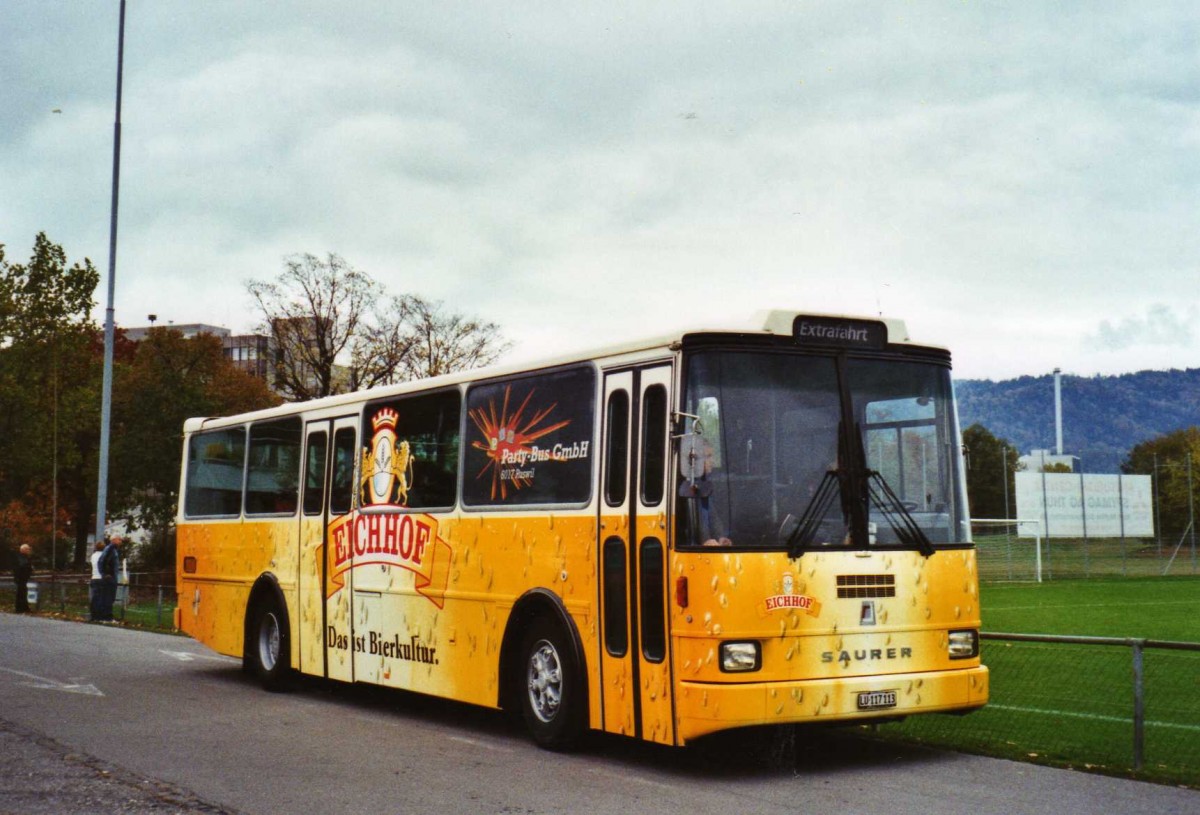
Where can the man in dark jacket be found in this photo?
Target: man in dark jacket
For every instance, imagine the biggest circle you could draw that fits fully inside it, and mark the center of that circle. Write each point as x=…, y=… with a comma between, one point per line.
x=22, y=571
x=110, y=565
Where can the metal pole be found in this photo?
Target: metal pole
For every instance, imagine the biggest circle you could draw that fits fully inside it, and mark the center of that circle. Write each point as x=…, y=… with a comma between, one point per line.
x=106, y=398
x=1121, y=517
x=1083, y=517
x=1154, y=489
x=1004, y=470
x=1045, y=512
x=54, y=468
x=1191, y=511
x=1139, y=706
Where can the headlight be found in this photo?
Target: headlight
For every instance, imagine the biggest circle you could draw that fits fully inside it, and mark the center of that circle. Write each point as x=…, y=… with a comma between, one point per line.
x=964, y=644
x=739, y=657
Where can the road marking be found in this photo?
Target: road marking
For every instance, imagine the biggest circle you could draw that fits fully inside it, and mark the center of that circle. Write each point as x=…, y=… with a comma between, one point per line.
x=42, y=683
x=1092, y=716
x=188, y=656
x=477, y=743
x=626, y=777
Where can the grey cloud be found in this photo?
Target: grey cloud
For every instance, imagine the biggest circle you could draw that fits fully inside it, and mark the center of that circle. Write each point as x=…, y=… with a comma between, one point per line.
x=1160, y=326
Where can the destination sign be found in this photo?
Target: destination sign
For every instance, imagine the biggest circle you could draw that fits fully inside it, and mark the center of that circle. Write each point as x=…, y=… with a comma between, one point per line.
x=840, y=333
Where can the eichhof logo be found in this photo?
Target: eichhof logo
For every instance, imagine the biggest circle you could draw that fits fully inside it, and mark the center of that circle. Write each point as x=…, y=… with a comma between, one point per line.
x=387, y=465
x=406, y=541
x=809, y=605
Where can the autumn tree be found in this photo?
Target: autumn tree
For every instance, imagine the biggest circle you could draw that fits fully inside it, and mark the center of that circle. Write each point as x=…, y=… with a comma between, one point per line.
x=1174, y=460
x=991, y=461
x=335, y=330
x=169, y=379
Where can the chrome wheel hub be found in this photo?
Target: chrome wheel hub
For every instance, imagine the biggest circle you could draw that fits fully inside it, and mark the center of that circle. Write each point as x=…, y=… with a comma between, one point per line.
x=545, y=681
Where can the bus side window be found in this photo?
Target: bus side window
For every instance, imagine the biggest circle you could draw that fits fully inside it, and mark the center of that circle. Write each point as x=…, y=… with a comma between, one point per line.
x=529, y=439
x=273, y=472
x=417, y=464
x=654, y=444
x=617, y=444
x=341, y=490
x=314, y=473
x=214, y=474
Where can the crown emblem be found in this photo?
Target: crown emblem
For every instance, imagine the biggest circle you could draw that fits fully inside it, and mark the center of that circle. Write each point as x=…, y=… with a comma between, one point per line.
x=385, y=418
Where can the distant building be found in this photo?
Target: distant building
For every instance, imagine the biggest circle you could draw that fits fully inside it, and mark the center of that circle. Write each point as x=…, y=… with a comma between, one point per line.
x=1038, y=460
x=139, y=333
x=253, y=353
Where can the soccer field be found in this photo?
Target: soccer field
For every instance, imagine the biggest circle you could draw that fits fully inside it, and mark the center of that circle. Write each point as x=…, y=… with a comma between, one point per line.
x=1161, y=608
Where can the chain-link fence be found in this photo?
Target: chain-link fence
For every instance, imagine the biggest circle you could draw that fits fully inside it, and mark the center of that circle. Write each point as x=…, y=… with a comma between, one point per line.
x=141, y=603
x=1004, y=555
x=1094, y=524
x=1119, y=705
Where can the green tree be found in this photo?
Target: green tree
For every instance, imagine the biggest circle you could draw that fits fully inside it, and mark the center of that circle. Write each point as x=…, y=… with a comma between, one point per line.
x=49, y=379
x=991, y=461
x=45, y=297
x=1174, y=459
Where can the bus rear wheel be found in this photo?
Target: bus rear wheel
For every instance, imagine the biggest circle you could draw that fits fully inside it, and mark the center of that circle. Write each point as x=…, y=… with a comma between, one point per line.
x=267, y=646
x=549, y=687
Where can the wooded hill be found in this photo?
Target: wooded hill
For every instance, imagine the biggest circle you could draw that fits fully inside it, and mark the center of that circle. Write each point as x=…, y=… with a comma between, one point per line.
x=1103, y=416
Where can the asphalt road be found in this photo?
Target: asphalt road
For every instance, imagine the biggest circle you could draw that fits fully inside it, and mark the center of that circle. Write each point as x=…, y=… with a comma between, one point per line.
x=103, y=719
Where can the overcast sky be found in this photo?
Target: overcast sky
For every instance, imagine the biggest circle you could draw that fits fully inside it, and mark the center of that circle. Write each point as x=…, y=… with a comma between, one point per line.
x=1019, y=181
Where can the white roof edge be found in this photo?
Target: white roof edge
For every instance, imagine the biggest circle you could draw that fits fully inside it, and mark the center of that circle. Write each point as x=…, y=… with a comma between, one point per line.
x=773, y=321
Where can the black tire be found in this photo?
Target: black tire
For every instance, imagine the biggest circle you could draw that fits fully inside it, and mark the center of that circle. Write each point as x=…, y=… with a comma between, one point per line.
x=549, y=684
x=268, y=651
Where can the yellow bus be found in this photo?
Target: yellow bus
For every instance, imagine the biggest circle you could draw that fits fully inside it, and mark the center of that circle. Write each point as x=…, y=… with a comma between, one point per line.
x=711, y=530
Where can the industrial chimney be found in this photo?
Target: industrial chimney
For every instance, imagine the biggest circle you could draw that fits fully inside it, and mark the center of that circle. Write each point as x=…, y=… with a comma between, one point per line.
x=1058, y=449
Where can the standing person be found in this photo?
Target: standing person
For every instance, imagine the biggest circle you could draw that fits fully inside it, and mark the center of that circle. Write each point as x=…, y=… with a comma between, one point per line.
x=110, y=565
x=96, y=588
x=21, y=574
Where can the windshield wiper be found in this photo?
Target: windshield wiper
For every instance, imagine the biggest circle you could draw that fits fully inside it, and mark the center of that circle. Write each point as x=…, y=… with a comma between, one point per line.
x=892, y=508
x=810, y=520
x=872, y=489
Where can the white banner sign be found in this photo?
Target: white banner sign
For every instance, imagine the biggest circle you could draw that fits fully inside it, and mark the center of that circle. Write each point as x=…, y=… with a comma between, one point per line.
x=1075, y=505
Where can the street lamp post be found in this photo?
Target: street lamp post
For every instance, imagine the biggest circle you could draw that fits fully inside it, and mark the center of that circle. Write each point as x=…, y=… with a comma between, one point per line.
x=106, y=398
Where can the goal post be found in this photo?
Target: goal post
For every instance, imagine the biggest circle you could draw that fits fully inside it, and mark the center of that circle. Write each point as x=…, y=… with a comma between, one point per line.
x=1008, y=548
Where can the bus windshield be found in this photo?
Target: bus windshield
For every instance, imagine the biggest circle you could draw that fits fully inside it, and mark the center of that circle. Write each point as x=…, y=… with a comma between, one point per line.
x=775, y=465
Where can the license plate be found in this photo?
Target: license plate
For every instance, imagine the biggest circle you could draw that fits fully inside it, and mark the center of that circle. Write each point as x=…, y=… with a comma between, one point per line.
x=876, y=699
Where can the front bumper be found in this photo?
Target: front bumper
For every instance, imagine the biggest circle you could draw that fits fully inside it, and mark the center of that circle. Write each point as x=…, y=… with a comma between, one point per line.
x=709, y=707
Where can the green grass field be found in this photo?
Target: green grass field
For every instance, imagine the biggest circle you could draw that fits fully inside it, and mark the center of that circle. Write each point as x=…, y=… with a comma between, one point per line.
x=1072, y=705
x=1165, y=608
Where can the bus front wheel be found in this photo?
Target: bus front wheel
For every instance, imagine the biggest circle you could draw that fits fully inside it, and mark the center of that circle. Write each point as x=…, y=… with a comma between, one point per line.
x=270, y=656
x=549, y=687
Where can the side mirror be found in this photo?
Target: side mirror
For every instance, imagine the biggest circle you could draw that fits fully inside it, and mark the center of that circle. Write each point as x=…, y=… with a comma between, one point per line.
x=691, y=457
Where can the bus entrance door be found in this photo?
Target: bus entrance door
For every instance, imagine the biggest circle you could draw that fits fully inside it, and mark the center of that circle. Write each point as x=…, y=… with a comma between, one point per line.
x=330, y=447
x=636, y=697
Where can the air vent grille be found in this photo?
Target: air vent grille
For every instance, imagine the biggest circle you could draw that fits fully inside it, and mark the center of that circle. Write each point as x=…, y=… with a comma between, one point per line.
x=865, y=586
